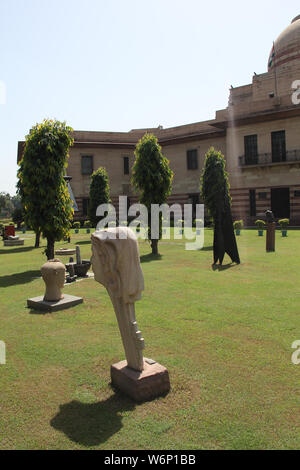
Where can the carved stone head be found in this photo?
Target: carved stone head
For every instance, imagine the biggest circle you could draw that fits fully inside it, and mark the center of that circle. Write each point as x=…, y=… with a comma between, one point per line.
x=116, y=262
x=53, y=274
x=270, y=217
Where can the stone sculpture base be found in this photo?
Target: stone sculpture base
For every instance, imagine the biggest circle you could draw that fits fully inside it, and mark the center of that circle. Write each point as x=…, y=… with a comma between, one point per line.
x=19, y=242
x=38, y=303
x=65, y=251
x=152, y=382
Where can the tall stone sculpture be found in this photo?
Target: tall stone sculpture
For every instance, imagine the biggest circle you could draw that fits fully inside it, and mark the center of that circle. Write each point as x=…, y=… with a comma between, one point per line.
x=116, y=265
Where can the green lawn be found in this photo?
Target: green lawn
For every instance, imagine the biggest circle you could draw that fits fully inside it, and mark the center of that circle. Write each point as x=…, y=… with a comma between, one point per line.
x=225, y=336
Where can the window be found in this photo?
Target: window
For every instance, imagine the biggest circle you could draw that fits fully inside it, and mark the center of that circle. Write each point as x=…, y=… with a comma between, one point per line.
x=192, y=159
x=280, y=202
x=251, y=153
x=252, y=199
x=126, y=165
x=262, y=196
x=85, y=206
x=297, y=193
x=87, y=164
x=278, y=146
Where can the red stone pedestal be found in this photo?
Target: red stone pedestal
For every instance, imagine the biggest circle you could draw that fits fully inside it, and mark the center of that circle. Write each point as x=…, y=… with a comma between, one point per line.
x=152, y=382
x=270, y=239
x=9, y=231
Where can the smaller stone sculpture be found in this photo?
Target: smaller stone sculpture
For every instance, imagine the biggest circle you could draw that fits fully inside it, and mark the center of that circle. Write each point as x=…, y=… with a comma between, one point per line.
x=53, y=274
x=269, y=217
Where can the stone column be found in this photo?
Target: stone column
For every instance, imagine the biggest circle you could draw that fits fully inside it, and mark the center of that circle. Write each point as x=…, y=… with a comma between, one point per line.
x=78, y=256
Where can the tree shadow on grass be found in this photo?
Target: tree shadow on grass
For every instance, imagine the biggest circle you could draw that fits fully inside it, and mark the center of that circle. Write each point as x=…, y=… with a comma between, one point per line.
x=150, y=257
x=222, y=267
x=16, y=250
x=19, y=278
x=90, y=424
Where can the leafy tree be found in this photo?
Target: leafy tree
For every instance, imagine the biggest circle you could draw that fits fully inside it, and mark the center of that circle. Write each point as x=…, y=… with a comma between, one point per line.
x=215, y=191
x=43, y=190
x=18, y=216
x=18, y=212
x=152, y=178
x=6, y=204
x=16, y=200
x=99, y=193
x=3, y=200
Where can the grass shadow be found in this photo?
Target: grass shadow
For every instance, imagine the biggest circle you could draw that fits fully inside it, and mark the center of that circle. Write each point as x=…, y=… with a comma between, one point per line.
x=150, y=257
x=84, y=242
x=33, y=311
x=223, y=267
x=90, y=424
x=207, y=248
x=19, y=278
x=16, y=250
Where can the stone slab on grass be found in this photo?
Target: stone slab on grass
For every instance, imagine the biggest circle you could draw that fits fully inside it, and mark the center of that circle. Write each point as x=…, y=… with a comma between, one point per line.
x=19, y=242
x=38, y=303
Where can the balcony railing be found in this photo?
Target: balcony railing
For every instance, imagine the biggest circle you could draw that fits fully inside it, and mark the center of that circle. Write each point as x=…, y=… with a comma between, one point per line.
x=270, y=159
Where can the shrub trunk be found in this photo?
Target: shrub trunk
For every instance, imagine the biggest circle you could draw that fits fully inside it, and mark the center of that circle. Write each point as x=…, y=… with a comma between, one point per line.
x=37, y=239
x=154, y=246
x=50, y=248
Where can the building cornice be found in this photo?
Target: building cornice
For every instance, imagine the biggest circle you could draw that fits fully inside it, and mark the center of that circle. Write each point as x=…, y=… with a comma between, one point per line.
x=131, y=145
x=270, y=115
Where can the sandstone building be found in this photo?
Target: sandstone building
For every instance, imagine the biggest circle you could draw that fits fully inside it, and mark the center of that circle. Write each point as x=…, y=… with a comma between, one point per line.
x=259, y=134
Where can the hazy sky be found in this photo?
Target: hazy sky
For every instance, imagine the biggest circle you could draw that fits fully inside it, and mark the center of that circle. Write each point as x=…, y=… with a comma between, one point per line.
x=122, y=64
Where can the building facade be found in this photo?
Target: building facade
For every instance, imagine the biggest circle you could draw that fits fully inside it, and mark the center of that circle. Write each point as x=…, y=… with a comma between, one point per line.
x=258, y=133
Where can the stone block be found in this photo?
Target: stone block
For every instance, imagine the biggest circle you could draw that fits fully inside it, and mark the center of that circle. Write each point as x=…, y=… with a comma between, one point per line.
x=150, y=383
x=38, y=303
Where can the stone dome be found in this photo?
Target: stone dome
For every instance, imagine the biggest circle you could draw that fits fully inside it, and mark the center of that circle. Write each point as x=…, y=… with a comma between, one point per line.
x=286, y=47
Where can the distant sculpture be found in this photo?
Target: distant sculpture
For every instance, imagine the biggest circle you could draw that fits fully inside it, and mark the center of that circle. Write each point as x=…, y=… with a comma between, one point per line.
x=78, y=256
x=116, y=265
x=271, y=226
x=224, y=238
x=269, y=217
x=53, y=274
